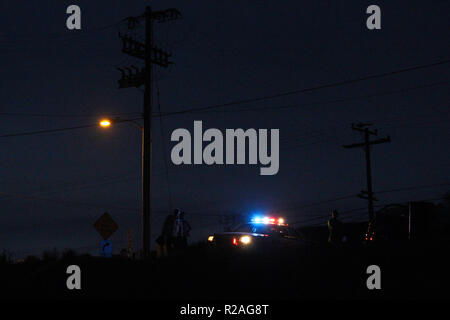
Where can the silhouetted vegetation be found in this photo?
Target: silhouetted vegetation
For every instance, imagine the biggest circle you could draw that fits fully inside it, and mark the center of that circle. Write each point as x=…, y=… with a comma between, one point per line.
x=50, y=255
x=68, y=254
x=6, y=257
x=412, y=269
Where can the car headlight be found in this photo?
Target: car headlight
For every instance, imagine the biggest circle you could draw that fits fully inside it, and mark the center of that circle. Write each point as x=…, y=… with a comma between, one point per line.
x=245, y=239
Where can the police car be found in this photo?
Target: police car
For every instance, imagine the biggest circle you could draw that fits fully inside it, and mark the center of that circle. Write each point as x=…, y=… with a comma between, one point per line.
x=260, y=233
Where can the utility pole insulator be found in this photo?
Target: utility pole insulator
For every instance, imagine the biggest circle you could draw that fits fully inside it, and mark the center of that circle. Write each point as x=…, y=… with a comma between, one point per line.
x=137, y=49
x=364, y=195
x=134, y=78
x=166, y=15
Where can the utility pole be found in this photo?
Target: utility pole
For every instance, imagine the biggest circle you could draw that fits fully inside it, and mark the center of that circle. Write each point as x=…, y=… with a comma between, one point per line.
x=136, y=77
x=367, y=194
x=409, y=220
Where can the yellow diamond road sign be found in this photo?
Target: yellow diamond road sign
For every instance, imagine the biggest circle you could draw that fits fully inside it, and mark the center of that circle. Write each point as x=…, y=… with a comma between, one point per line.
x=105, y=225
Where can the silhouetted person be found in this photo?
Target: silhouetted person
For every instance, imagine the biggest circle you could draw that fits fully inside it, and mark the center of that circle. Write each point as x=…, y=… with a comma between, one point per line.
x=334, y=228
x=165, y=241
x=181, y=231
x=186, y=230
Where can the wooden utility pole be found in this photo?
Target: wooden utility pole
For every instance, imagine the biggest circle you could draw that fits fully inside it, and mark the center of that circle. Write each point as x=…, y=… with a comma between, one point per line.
x=367, y=194
x=147, y=137
x=151, y=55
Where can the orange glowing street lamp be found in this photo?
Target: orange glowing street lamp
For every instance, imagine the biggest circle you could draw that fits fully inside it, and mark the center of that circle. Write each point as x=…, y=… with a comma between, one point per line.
x=105, y=123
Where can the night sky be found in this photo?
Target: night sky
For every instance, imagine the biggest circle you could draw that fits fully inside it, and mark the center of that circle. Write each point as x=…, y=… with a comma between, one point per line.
x=54, y=186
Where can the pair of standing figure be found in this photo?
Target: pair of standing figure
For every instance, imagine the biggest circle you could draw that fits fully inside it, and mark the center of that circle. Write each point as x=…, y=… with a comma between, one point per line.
x=174, y=234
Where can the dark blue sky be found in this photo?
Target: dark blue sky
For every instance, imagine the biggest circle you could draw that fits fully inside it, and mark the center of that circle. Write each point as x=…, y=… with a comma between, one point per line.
x=54, y=186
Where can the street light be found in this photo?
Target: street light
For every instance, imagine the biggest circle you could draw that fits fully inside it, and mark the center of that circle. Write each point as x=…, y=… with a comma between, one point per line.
x=105, y=123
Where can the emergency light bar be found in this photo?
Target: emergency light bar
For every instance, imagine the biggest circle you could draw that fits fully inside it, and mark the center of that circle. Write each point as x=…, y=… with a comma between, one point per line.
x=268, y=220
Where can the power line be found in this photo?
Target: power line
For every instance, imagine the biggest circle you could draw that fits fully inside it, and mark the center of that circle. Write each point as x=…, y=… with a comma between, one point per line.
x=296, y=105
x=321, y=202
x=62, y=36
x=358, y=210
x=75, y=186
x=109, y=207
x=76, y=204
x=304, y=90
x=60, y=129
x=66, y=203
x=56, y=115
x=46, y=131
x=194, y=110
x=416, y=187
x=330, y=133
x=155, y=115
x=355, y=195
x=18, y=44
x=278, y=107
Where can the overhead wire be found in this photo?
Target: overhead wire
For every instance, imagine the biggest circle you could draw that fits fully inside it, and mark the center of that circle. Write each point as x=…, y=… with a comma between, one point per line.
x=310, y=89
